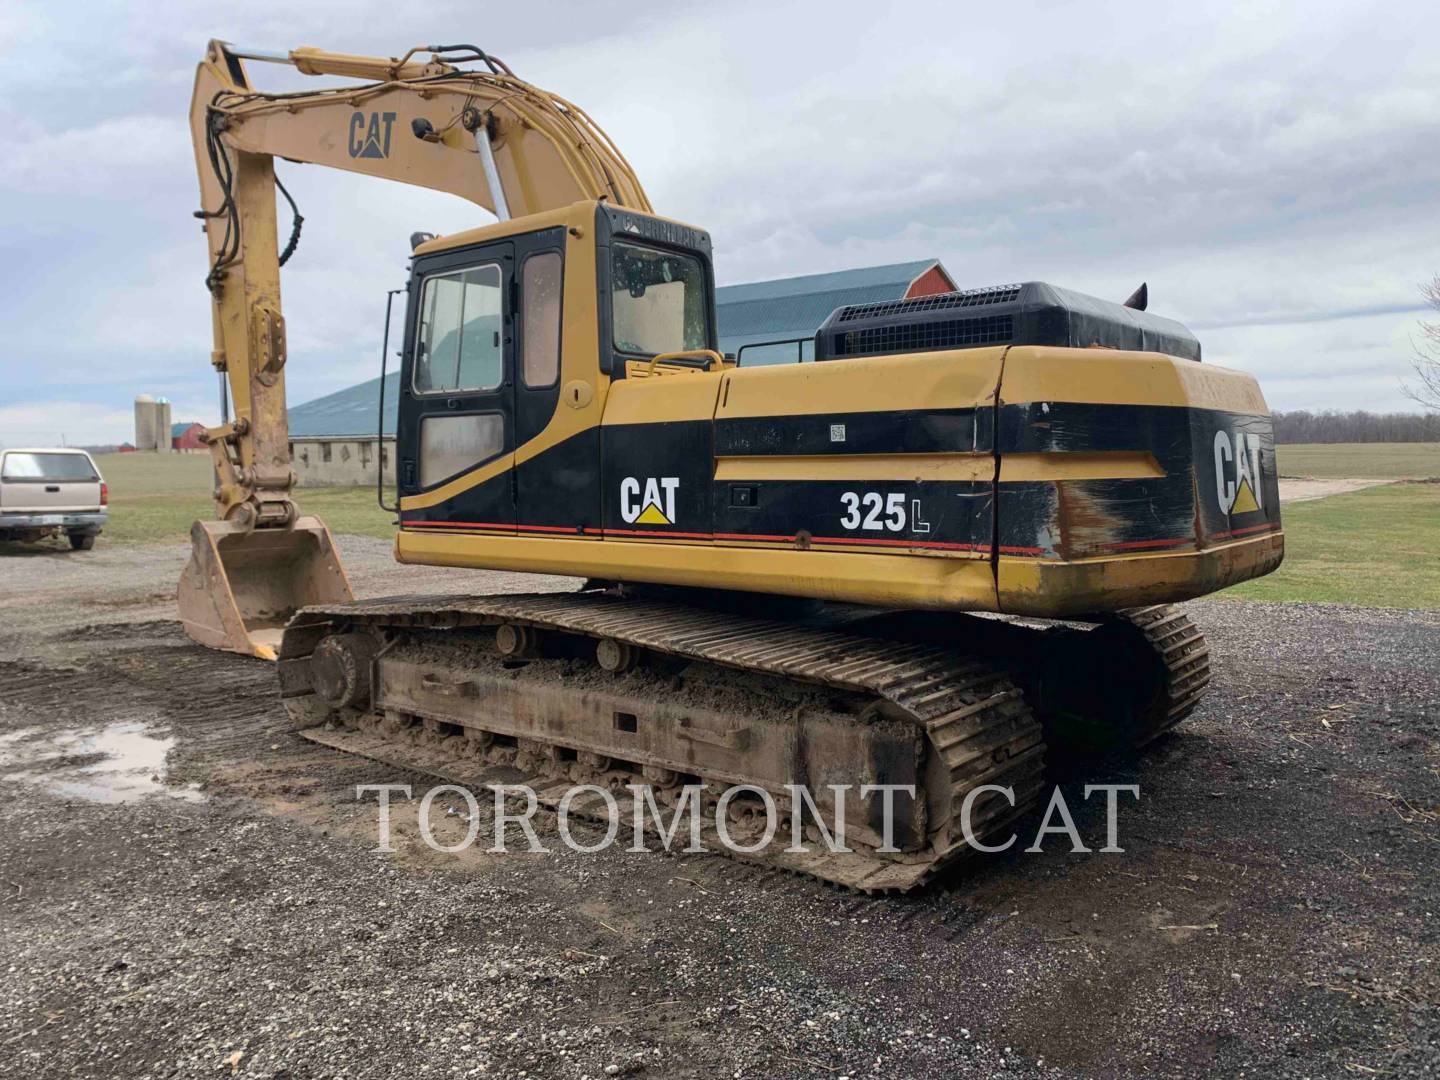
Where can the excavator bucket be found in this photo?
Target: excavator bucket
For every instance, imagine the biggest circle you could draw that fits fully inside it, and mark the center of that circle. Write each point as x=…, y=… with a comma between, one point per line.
x=241, y=586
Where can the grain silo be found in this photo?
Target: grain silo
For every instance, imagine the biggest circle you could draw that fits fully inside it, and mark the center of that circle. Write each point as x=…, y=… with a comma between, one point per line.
x=162, y=423
x=144, y=422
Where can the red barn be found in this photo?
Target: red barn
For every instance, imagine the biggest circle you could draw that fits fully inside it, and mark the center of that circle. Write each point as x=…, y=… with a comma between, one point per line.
x=775, y=321
x=187, y=436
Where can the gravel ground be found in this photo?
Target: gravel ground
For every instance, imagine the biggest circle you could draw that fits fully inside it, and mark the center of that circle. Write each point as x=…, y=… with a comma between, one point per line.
x=1274, y=912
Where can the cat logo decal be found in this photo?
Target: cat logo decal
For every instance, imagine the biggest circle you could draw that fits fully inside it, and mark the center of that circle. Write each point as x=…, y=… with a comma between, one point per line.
x=1239, y=486
x=656, y=506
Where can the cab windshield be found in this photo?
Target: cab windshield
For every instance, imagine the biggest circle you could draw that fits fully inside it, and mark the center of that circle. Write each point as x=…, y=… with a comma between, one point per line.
x=657, y=301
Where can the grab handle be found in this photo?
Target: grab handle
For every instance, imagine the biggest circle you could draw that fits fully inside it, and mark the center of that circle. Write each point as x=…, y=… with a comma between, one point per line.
x=716, y=361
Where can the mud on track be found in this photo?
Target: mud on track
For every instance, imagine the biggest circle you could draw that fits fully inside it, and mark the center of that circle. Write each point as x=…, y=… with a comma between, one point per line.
x=1275, y=911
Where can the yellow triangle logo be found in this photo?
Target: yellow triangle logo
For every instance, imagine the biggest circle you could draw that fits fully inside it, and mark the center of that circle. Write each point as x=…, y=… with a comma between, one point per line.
x=653, y=516
x=1244, y=500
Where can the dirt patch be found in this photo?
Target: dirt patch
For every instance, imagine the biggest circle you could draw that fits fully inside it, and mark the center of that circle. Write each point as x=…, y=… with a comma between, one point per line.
x=1273, y=912
x=1305, y=488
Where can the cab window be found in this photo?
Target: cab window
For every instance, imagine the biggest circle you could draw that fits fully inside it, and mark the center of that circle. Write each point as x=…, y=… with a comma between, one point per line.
x=38, y=467
x=540, y=286
x=657, y=300
x=458, y=339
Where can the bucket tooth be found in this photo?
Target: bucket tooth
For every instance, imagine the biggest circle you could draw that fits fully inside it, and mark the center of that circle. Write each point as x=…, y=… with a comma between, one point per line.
x=241, y=586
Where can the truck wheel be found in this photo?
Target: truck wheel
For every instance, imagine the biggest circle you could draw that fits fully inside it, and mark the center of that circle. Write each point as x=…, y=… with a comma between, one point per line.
x=82, y=541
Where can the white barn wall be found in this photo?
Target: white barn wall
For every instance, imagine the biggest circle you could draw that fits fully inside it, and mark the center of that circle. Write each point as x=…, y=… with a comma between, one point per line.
x=324, y=462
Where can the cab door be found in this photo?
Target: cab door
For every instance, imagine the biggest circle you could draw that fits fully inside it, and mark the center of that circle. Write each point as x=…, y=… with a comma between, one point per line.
x=456, y=433
x=557, y=468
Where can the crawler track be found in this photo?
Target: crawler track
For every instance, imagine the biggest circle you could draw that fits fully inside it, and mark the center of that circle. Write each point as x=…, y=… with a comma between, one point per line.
x=1181, y=648
x=747, y=700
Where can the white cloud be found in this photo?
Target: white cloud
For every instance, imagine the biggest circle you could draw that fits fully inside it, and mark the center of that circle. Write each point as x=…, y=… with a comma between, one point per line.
x=64, y=422
x=110, y=160
x=1264, y=167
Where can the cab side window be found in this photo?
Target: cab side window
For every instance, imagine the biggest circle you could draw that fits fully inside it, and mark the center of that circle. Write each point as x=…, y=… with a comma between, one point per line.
x=458, y=340
x=540, y=284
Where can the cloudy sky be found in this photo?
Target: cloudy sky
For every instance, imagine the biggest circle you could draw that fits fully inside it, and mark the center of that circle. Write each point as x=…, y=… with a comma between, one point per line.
x=1273, y=171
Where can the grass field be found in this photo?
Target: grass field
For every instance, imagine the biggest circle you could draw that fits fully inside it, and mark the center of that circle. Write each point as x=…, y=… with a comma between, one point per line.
x=1374, y=548
x=1413, y=461
x=155, y=497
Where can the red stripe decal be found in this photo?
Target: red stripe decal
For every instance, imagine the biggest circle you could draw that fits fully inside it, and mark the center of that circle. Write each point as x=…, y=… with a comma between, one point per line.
x=662, y=534
x=1269, y=526
x=455, y=525
x=876, y=541
x=568, y=530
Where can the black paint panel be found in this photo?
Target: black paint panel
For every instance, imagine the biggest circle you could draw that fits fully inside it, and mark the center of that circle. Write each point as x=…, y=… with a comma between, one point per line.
x=918, y=431
x=490, y=504
x=679, y=450
x=1082, y=518
x=946, y=515
x=561, y=486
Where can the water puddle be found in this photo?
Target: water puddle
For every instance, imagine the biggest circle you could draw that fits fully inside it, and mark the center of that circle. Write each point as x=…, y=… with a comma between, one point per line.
x=121, y=762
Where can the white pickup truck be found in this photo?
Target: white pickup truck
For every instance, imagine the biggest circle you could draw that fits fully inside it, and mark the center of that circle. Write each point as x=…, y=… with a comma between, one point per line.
x=47, y=492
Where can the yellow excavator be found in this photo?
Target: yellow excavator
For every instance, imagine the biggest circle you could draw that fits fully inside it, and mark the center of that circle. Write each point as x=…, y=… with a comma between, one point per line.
x=947, y=545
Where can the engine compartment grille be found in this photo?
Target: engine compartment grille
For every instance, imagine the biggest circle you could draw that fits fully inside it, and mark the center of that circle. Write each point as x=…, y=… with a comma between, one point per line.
x=925, y=336
x=1031, y=313
x=995, y=294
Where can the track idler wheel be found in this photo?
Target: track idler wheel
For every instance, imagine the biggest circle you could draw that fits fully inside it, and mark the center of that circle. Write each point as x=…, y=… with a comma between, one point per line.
x=340, y=670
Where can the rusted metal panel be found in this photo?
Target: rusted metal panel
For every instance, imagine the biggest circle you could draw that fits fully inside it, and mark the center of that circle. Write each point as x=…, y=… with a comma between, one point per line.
x=771, y=748
x=1216, y=480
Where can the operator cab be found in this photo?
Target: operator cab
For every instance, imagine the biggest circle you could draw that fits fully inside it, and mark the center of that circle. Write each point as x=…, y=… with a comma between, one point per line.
x=509, y=331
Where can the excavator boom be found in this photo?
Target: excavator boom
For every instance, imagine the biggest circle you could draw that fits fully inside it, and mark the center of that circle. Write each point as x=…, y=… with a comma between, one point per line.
x=485, y=135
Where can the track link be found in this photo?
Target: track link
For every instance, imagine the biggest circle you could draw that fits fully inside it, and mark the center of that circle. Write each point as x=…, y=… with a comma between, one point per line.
x=975, y=726
x=1180, y=647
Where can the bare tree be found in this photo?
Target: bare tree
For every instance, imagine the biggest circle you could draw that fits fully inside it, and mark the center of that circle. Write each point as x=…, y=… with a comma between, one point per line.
x=1427, y=354
x=1304, y=426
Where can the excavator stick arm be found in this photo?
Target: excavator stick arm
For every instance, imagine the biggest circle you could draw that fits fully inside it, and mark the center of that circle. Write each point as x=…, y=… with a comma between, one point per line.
x=483, y=135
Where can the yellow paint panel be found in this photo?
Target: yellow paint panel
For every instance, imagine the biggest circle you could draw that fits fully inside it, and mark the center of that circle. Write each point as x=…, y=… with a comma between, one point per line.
x=1027, y=586
x=1107, y=465
x=579, y=215
x=897, y=467
x=907, y=580
x=1051, y=589
x=651, y=401
x=1115, y=377
x=941, y=380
